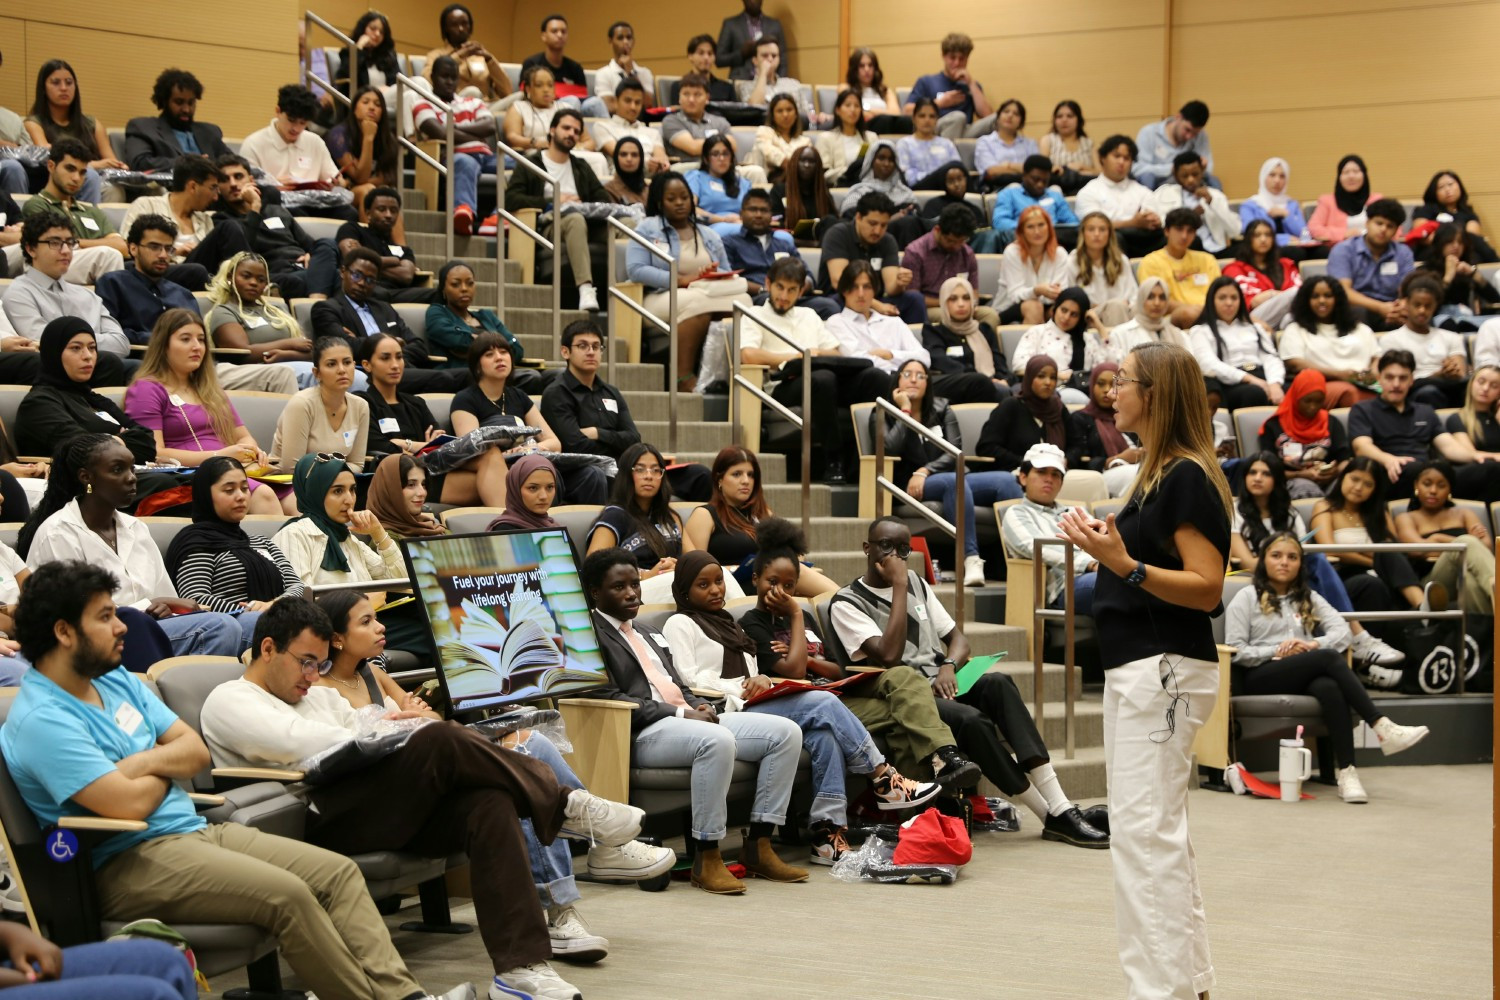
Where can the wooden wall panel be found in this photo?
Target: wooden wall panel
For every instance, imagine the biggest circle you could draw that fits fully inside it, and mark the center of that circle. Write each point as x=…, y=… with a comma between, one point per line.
x=1314, y=140
x=116, y=88
x=15, y=84
x=267, y=27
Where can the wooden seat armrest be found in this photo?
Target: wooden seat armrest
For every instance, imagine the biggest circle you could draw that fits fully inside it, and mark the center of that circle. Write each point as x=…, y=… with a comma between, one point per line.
x=979, y=459
x=34, y=459
x=206, y=799
x=259, y=773
x=101, y=823
x=597, y=703
x=422, y=279
x=709, y=693
x=864, y=668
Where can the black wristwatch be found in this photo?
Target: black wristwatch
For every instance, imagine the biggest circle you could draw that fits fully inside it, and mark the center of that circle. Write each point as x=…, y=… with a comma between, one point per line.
x=1138, y=575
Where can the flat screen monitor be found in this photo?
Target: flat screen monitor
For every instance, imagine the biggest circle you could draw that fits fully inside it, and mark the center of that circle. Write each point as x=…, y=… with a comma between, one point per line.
x=508, y=616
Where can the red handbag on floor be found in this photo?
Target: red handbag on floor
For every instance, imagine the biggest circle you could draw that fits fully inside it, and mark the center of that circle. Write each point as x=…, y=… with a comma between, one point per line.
x=933, y=839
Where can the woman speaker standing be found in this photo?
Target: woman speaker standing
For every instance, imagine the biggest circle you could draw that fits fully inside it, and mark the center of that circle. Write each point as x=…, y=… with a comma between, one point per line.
x=1161, y=577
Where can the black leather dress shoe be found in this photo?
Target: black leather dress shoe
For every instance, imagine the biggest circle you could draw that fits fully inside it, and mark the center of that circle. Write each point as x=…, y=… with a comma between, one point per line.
x=1072, y=828
x=1097, y=817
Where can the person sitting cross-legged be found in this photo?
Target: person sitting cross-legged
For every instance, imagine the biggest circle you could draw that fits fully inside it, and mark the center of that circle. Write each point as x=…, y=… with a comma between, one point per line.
x=458, y=790
x=87, y=738
x=673, y=727
x=872, y=624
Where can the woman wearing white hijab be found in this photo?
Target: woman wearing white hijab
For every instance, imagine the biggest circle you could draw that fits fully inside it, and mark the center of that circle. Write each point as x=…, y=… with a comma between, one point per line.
x=1271, y=204
x=1151, y=321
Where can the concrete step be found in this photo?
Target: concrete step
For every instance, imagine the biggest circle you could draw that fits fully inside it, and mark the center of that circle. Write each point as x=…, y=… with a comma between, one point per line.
x=1088, y=717
x=539, y=343
x=981, y=604
x=696, y=437
x=539, y=322
x=1018, y=665
x=653, y=404
x=773, y=469
x=1081, y=778
x=786, y=500
x=987, y=640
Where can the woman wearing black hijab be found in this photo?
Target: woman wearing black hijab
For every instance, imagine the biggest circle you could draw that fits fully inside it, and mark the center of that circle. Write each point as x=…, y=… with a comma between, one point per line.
x=63, y=404
x=214, y=561
x=628, y=186
x=1341, y=214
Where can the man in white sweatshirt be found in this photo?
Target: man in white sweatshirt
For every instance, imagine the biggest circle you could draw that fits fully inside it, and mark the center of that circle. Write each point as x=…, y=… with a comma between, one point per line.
x=1220, y=224
x=447, y=789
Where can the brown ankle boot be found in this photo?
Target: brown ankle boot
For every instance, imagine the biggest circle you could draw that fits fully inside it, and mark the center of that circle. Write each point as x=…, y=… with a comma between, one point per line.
x=761, y=861
x=710, y=875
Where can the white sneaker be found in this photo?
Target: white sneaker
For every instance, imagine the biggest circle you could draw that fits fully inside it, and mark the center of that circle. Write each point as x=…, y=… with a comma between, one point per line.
x=1394, y=738
x=532, y=982
x=973, y=571
x=1370, y=650
x=463, y=991
x=588, y=299
x=600, y=821
x=631, y=860
x=571, y=940
x=1434, y=598
x=1350, y=790
x=10, y=893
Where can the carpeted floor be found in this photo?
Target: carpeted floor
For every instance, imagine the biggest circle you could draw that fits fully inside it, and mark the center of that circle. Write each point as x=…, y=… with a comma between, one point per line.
x=1386, y=901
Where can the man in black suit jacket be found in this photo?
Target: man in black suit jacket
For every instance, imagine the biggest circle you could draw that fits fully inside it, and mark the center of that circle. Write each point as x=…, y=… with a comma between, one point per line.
x=738, y=35
x=153, y=143
x=353, y=313
x=672, y=727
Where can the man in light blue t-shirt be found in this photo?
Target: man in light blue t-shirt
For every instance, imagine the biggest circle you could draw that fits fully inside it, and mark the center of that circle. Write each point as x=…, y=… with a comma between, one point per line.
x=87, y=738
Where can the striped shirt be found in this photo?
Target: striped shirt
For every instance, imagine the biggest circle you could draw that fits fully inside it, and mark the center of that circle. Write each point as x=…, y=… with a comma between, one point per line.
x=217, y=581
x=466, y=111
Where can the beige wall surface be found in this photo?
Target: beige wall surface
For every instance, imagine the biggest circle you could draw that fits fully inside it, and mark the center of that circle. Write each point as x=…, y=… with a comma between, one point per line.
x=1308, y=82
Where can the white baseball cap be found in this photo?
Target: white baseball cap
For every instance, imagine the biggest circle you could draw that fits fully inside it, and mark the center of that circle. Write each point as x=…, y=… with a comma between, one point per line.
x=1046, y=456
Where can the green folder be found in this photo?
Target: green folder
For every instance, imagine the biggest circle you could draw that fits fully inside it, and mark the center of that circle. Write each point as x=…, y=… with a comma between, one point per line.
x=969, y=674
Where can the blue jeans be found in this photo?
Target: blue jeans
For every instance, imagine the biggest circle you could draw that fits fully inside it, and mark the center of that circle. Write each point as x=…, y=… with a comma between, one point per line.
x=307, y=376
x=594, y=108
x=12, y=669
x=1326, y=582
x=466, y=170
x=984, y=488
x=247, y=620
x=12, y=181
x=711, y=749
x=835, y=740
x=205, y=633
x=93, y=187
x=121, y=970
x=551, y=864
x=1083, y=594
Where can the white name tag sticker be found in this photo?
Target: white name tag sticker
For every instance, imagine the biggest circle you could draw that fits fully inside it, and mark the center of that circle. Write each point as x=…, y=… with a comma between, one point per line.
x=660, y=640
x=102, y=415
x=175, y=399
x=1200, y=279
x=128, y=718
x=274, y=223
x=255, y=322
x=348, y=439
x=956, y=351
x=810, y=636
x=89, y=223
x=875, y=262
x=1045, y=201
x=611, y=406
x=778, y=254
x=709, y=133
x=390, y=323
x=389, y=425
x=716, y=186
x=921, y=610
x=396, y=251
x=1389, y=269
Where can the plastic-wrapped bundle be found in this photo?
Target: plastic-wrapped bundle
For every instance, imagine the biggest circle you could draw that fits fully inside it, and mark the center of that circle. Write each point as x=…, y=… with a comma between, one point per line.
x=375, y=736
x=544, y=721
x=334, y=197
x=873, y=863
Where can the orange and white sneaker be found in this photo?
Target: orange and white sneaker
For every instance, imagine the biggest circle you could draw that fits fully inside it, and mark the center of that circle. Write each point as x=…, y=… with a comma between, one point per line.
x=896, y=791
x=828, y=844
x=490, y=226
x=463, y=221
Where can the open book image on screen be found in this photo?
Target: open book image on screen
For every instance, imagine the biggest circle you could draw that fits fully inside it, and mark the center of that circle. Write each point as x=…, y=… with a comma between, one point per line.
x=508, y=616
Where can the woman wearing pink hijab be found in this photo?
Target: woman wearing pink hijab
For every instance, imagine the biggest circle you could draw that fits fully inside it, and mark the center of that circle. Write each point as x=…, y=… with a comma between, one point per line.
x=530, y=487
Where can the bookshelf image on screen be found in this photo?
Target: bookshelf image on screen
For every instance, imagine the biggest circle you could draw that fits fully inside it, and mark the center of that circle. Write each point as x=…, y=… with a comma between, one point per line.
x=508, y=616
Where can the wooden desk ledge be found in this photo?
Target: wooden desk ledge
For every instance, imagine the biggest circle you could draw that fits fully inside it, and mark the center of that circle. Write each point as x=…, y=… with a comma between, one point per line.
x=597, y=703
x=258, y=773
x=101, y=823
x=206, y=799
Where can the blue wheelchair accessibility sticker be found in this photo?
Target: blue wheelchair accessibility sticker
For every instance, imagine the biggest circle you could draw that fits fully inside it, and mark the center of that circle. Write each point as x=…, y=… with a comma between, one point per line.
x=62, y=846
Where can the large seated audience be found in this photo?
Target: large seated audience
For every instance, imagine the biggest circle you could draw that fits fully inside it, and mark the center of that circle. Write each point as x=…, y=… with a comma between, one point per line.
x=959, y=262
